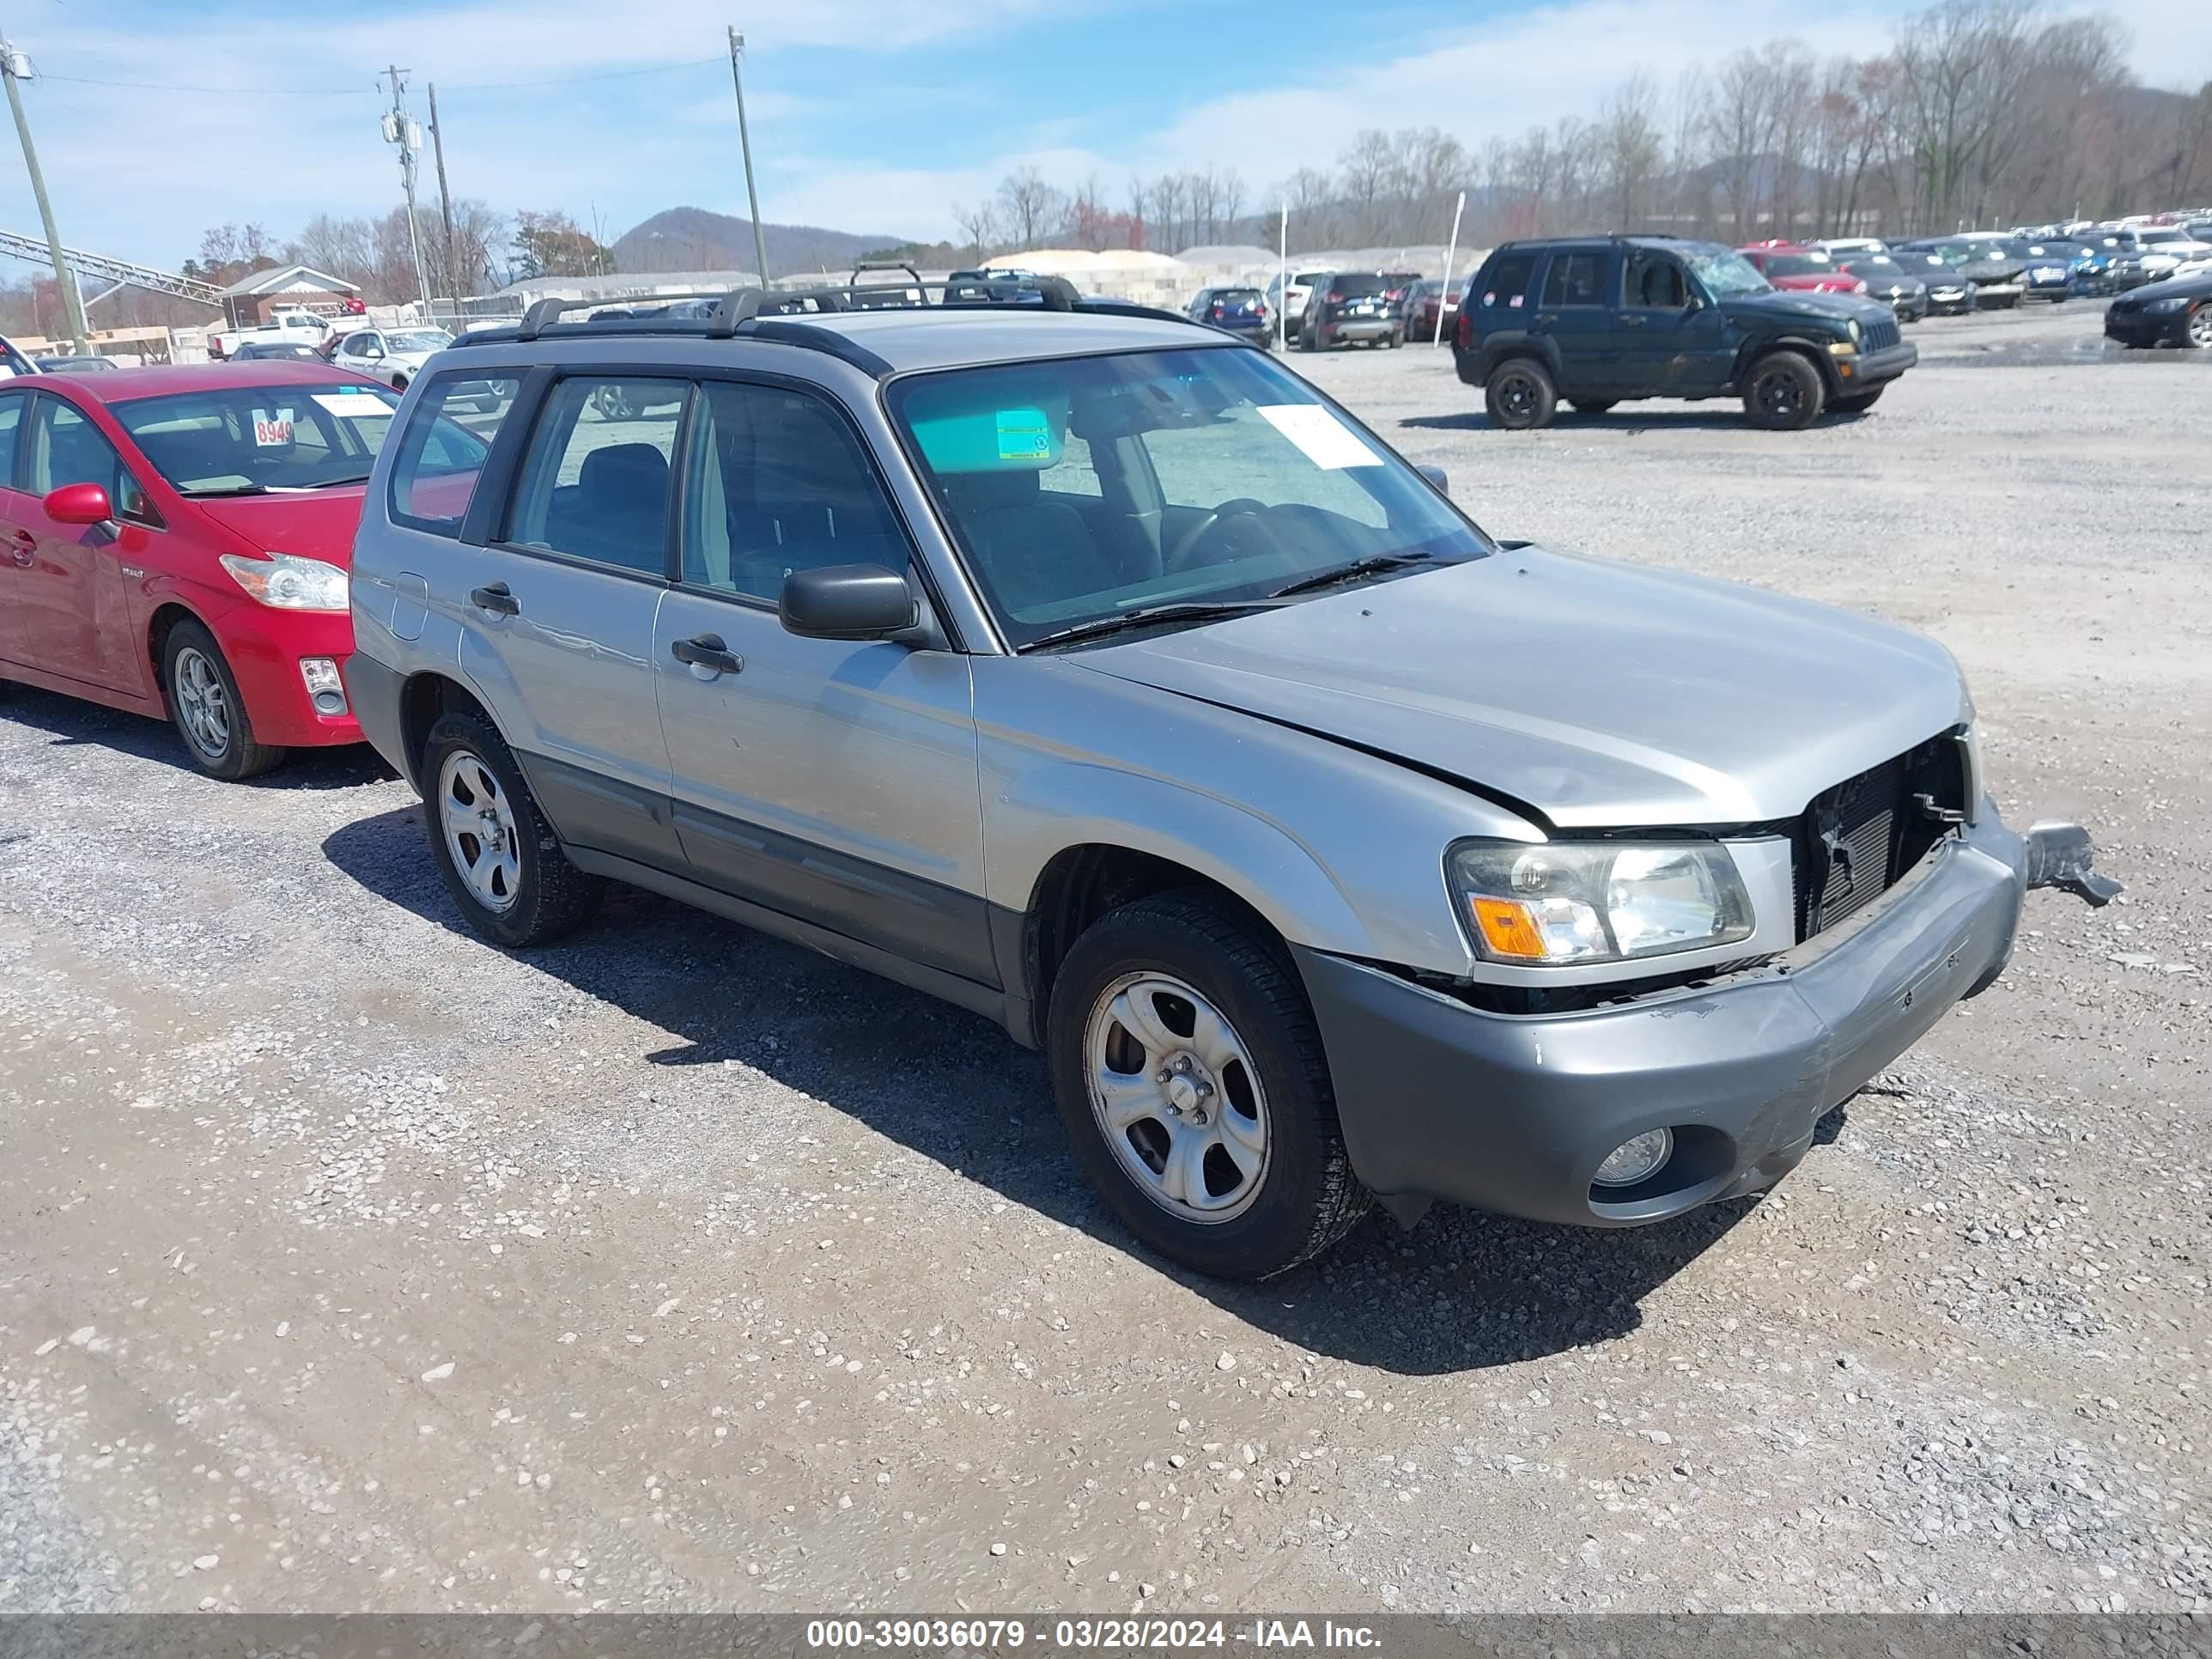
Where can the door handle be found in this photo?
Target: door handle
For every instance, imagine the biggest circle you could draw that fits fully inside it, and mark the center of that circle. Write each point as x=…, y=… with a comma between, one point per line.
x=1548, y=316
x=496, y=599
x=25, y=552
x=708, y=650
x=1630, y=318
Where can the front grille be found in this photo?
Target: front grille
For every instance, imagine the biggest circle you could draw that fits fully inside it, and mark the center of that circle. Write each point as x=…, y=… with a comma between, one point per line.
x=1882, y=334
x=1855, y=840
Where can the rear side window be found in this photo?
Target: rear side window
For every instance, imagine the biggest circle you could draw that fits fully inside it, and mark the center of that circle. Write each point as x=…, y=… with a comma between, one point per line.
x=1505, y=284
x=595, y=484
x=1573, y=279
x=443, y=448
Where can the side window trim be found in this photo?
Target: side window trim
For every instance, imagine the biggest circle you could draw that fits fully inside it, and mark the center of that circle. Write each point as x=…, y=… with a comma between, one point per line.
x=19, y=455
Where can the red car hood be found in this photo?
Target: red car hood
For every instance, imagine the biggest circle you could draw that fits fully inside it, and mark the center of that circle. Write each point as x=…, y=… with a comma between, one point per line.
x=1816, y=285
x=315, y=524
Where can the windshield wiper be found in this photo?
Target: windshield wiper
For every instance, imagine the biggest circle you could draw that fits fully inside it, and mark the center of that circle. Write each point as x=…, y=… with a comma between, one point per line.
x=1145, y=616
x=1344, y=573
x=224, y=489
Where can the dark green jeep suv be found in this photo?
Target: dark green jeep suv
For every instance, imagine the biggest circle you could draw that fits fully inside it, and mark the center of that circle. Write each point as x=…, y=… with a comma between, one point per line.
x=1596, y=320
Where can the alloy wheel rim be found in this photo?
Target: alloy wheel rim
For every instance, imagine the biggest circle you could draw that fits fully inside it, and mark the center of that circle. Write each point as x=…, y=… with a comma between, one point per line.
x=478, y=821
x=203, y=706
x=2200, y=325
x=1177, y=1097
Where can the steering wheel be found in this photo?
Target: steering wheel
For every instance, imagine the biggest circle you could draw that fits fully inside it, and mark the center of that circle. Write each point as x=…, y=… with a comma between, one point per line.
x=1179, y=557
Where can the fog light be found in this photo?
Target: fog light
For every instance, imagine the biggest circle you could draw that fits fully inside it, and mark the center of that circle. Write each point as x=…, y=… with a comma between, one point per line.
x=1637, y=1159
x=324, y=689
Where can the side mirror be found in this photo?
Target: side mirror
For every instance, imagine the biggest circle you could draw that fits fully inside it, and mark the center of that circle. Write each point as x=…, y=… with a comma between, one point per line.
x=79, y=503
x=846, y=602
x=1434, y=475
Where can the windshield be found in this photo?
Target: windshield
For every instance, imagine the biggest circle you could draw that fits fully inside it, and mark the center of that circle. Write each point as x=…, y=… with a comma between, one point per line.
x=418, y=339
x=1874, y=264
x=236, y=441
x=1725, y=272
x=1797, y=264
x=1082, y=488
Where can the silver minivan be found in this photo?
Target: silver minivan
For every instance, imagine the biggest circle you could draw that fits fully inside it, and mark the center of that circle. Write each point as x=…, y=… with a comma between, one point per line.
x=1091, y=669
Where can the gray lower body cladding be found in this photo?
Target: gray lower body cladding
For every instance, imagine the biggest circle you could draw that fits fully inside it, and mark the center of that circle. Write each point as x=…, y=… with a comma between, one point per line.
x=1439, y=1100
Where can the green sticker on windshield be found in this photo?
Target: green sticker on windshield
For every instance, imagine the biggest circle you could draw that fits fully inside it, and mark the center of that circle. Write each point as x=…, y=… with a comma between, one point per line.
x=1025, y=435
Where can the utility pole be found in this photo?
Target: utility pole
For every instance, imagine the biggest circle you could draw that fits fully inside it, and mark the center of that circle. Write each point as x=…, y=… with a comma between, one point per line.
x=445, y=201
x=16, y=66
x=400, y=130
x=745, y=143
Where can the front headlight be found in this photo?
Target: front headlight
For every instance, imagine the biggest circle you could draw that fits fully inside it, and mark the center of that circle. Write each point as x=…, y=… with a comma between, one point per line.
x=1611, y=901
x=285, y=581
x=2173, y=303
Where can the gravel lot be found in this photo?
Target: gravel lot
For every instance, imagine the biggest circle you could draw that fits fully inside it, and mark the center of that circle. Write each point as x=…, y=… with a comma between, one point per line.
x=351, y=1264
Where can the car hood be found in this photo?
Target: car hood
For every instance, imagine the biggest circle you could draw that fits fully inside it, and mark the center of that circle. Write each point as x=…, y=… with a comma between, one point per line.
x=316, y=524
x=1592, y=693
x=1788, y=304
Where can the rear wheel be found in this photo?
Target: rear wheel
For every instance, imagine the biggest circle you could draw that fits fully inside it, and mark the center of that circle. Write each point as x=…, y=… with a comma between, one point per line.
x=2197, y=331
x=500, y=859
x=1784, y=392
x=1190, y=1077
x=1519, y=395
x=210, y=715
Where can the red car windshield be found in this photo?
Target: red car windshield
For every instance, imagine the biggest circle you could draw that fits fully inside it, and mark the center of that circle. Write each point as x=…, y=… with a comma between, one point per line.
x=1796, y=265
x=251, y=440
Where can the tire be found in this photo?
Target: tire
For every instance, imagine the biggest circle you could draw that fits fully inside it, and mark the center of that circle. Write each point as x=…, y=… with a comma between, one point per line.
x=204, y=705
x=1783, y=392
x=613, y=404
x=1592, y=405
x=544, y=895
x=399, y=383
x=1272, y=1078
x=2196, y=332
x=1859, y=402
x=1519, y=395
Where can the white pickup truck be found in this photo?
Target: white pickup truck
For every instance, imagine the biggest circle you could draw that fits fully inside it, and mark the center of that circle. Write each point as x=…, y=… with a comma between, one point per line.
x=294, y=324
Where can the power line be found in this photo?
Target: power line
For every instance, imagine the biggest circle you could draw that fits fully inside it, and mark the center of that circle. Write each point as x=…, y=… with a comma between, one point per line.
x=326, y=92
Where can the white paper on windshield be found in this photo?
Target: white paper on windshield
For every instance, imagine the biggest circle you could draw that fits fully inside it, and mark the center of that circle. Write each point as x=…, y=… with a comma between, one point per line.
x=1321, y=437
x=272, y=431
x=351, y=404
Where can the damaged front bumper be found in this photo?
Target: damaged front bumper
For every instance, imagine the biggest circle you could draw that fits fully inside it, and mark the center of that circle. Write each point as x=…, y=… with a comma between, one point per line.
x=1515, y=1113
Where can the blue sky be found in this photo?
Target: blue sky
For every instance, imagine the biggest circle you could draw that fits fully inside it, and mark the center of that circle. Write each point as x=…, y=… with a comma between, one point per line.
x=866, y=115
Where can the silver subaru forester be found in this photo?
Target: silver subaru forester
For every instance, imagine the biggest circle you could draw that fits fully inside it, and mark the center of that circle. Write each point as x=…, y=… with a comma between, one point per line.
x=1086, y=667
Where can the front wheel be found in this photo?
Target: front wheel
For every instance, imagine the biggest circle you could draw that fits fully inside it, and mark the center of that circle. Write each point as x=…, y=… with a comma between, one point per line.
x=210, y=715
x=500, y=859
x=1520, y=395
x=2197, y=332
x=1784, y=392
x=1190, y=1077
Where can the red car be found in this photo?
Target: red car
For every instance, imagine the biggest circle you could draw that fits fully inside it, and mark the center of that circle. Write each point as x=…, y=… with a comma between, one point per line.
x=1804, y=270
x=1422, y=302
x=178, y=544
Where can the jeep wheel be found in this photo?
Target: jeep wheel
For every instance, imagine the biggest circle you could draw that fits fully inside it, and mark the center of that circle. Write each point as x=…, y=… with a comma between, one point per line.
x=1190, y=1077
x=1592, y=405
x=209, y=714
x=1784, y=392
x=1520, y=395
x=1858, y=403
x=500, y=859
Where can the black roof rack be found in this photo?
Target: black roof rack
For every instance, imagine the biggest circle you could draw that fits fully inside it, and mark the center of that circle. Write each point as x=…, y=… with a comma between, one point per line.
x=781, y=314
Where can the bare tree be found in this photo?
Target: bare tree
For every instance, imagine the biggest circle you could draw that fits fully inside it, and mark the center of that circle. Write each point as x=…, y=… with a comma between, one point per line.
x=1033, y=208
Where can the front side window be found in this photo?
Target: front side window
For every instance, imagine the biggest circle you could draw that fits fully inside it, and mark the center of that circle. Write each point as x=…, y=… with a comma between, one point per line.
x=443, y=449
x=67, y=448
x=11, y=429
x=776, y=482
x=1223, y=477
x=1652, y=281
x=250, y=440
x=595, y=483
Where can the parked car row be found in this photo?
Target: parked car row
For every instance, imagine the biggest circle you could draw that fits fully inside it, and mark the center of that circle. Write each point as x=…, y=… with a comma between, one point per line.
x=1101, y=675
